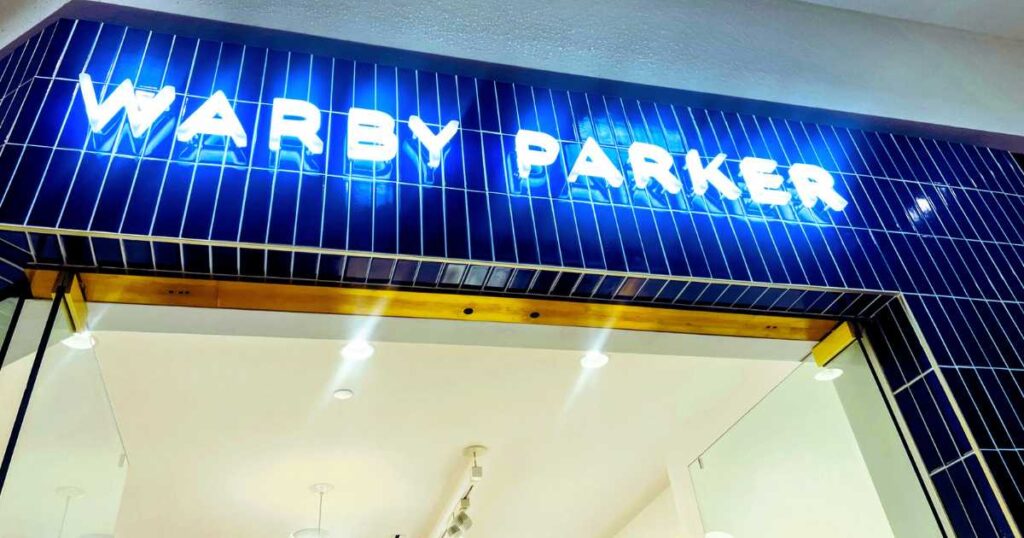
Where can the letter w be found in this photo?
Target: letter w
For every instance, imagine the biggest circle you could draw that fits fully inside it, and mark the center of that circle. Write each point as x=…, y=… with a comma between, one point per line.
x=141, y=108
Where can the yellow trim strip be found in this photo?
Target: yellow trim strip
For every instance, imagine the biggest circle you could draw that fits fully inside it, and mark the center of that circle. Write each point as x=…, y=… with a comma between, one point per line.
x=833, y=344
x=153, y=290
x=44, y=286
x=77, y=310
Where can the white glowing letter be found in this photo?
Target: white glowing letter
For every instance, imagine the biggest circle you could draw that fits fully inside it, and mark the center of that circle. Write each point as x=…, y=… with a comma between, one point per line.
x=295, y=119
x=593, y=162
x=214, y=117
x=763, y=184
x=814, y=183
x=434, y=143
x=371, y=135
x=141, y=108
x=653, y=162
x=701, y=176
x=534, y=148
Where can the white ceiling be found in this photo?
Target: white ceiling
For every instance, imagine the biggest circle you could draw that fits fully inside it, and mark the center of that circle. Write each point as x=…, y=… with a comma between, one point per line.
x=1004, y=18
x=225, y=433
x=570, y=455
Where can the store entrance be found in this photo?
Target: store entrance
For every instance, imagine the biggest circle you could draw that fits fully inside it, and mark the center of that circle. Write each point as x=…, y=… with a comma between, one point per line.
x=174, y=421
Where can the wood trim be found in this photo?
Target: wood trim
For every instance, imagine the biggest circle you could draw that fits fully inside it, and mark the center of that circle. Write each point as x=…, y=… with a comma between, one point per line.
x=834, y=344
x=156, y=290
x=77, y=308
x=43, y=285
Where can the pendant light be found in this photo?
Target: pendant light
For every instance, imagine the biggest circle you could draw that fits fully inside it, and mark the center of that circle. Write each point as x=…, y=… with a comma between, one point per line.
x=68, y=493
x=318, y=532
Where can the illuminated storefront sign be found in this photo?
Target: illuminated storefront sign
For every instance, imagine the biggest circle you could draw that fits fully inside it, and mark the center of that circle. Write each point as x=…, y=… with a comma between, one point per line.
x=230, y=156
x=372, y=137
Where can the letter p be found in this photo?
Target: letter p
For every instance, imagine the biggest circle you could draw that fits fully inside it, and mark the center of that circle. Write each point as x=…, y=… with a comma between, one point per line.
x=534, y=148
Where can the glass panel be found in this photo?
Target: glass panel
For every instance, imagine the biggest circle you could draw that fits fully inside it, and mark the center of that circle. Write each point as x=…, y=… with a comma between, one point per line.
x=816, y=457
x=231, y=419
x=7, y=307
x=12, y=378
x=17, y=362
x=69, y=466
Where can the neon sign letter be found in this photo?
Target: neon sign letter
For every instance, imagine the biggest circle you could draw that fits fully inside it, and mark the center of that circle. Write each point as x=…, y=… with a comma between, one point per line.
x=292, y=118
x=701, y=176
x=214, y=117
x=141, y=108
x=434, y=143
x=371, y=135
x=763, y=184
x=534, y=148
x=593, y=162
x=653, y=162
x=814, y=183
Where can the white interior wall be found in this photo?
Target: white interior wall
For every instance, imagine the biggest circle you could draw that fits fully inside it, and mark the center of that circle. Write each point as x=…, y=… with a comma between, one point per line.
x=776, y=50
x=658, y=520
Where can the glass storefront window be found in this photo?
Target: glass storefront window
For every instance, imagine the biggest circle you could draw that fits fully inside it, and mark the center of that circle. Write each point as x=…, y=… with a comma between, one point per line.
x=819, y=456
x=259, y=424
x=69, y=466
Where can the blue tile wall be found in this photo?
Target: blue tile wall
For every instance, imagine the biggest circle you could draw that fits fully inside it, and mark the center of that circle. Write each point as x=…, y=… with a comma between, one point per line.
x=939, y=222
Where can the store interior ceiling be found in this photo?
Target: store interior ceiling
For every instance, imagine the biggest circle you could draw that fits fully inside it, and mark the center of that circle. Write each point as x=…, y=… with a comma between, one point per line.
x=227, y=418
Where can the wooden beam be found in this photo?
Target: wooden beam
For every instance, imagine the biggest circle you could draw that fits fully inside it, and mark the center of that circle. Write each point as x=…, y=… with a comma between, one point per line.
x=76, y=305
x=42, y=284
x=155, y=290
x=832, y=345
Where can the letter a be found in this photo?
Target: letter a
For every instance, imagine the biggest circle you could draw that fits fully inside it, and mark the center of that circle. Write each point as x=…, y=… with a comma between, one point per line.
x=593, y=162
x=214, y=117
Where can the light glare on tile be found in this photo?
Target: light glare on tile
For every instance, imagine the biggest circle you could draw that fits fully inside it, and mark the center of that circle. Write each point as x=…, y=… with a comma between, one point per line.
x=924, y=205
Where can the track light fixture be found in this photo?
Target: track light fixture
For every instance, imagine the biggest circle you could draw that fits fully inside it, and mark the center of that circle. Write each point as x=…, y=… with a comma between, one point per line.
x=476, y=472
x=455, y=521
x=461, y=522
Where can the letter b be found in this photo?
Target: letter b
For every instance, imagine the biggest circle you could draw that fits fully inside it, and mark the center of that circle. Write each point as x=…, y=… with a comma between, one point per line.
x=371, y=135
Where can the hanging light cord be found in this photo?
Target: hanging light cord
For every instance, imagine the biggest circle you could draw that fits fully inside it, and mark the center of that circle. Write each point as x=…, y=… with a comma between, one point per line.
x=320, y=517
x=64, y=518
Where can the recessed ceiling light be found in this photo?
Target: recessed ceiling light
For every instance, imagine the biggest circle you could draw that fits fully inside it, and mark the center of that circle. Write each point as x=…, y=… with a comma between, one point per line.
x=593, y=359
x=357, y=350
x=343, y=394
x=80, y=340
x=828, y=374
x=717, y=534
